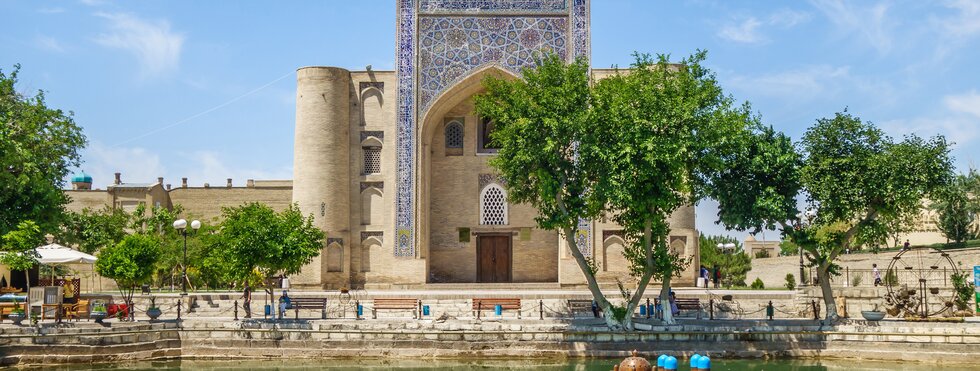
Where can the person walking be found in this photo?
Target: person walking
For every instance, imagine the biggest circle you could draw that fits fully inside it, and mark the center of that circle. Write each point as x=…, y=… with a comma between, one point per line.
x=247, y=300
x=717, y=277
x=876, y=273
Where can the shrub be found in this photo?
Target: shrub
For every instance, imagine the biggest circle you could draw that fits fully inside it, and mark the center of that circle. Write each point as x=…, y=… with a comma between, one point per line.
x=891, y=279
x=757, y=284
x=856, y=280
x=762, y=254
x=790, y=281
x=963, y=288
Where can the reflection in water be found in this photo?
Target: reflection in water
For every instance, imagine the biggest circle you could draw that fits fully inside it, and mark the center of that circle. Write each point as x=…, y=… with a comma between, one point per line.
x=544, y=365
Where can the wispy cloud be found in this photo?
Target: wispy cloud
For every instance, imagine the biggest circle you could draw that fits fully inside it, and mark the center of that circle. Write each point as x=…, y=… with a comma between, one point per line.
x=959, y=121
x=93, y=2
x=809, y=81
x=749, y=30
x=48, y=43
x=966, y=20
x=870, y=23
x=137, y=164
x=746, y=31
x=156, y=47
x=54, y=10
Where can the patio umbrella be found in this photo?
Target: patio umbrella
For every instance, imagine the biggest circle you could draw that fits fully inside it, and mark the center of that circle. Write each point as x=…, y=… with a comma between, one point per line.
x=55, y=254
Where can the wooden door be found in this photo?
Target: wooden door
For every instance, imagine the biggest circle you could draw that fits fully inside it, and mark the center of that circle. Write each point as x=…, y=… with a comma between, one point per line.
x=493, y=259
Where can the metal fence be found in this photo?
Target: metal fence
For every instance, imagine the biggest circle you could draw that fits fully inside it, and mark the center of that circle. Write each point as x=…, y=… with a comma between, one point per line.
x=938, y=277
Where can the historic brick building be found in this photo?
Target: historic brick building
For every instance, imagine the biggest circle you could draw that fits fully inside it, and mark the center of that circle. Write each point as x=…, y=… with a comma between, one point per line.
x=393, y=164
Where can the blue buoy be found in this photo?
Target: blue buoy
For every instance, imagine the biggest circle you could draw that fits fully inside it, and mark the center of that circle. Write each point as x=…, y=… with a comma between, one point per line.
x=694, y=361
x=670, y=363
x=498, y=309
x=425, y=310
x=704, y=363
x=660, y=361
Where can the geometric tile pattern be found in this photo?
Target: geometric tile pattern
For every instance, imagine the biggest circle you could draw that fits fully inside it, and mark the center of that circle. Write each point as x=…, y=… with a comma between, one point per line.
x=449, y=47
x=440, y=42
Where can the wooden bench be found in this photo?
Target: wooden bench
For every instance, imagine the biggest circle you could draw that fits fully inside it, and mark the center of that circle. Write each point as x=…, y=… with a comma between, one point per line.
x=7, y=308
x=309, y=303
x=492, y=303
x=412, y=304
x=583, y=305
x=683, y=304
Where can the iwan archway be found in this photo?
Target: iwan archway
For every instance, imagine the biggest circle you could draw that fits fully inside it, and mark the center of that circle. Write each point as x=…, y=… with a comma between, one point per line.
x=470, y=232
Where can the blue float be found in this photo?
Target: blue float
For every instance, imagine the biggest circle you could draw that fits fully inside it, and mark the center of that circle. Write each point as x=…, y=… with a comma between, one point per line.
x=670, y=363
x=704, y=363
x=660, y=361
x=694, y=361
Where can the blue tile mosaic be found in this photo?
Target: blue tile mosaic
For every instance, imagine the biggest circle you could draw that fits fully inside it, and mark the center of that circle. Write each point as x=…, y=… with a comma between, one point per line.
x=440, y=42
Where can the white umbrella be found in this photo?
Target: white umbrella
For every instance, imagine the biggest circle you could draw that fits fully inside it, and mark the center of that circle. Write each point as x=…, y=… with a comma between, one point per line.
x=57, y=254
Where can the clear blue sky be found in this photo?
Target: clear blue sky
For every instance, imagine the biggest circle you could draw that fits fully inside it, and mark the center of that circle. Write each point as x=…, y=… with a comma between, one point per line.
x=205, y=89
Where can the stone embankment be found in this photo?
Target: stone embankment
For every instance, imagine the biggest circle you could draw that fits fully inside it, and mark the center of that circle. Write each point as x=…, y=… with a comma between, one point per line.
x=83, y=342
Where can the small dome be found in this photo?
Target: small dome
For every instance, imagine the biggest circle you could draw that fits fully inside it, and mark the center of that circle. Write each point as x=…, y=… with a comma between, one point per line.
x=81, y=178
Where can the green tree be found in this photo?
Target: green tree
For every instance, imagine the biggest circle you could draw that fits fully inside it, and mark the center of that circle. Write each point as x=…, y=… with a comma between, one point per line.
x=634, y=147
x=92, y=230
x=957, y=211
x=18, y=249
x=130, y=263
x=787, y=248
x=254, y=237
x=853, y=177
x=38, y=146
x=734, y=265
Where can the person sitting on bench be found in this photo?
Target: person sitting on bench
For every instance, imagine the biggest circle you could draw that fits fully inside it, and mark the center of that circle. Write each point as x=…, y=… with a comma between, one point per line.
x=284, y=303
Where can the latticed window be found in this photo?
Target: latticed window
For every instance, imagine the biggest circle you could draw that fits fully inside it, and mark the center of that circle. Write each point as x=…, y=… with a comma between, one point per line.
x=493, y=206
x=454, y=135
x=372, y=160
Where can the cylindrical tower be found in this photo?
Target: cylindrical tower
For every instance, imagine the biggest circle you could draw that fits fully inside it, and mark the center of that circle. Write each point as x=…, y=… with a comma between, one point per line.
x=321, y=162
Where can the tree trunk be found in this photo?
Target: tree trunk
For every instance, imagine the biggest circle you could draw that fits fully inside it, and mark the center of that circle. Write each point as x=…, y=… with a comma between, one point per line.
x=828, y=292
x=586, y=269
x=665, y=300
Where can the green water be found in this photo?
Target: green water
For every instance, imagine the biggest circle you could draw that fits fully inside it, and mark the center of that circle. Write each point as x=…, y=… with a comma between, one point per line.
x=407, y=365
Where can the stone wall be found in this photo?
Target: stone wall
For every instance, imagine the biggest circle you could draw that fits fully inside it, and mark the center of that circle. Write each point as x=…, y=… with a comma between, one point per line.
x=493, y=339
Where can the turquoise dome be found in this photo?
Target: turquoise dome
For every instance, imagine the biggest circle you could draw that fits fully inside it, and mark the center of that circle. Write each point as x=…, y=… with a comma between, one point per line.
x=81, y=178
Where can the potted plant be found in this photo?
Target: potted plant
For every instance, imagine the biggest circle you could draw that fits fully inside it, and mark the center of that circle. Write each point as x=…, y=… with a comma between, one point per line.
x=98, y=313
x=17, y=315
x=153, y=311
x=874, y=314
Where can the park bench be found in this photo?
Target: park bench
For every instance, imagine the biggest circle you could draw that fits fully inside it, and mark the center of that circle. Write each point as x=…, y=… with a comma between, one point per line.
x=682, y=305
x=7, y=308
x=583, y=306
x=491, y=303
x=412, y=304
x=297, y=303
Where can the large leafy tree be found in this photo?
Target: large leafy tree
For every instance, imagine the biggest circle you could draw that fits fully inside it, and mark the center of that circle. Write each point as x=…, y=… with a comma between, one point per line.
x=38, y=146
x=255, y=237
x=92, y=230
x=17, y=250
x=957, y=208
x=852, y=176
x=130, y=262
x=635, y=146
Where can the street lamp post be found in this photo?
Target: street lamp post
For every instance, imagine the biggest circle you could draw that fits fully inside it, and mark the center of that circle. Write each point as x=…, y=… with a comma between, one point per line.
x=181, y=225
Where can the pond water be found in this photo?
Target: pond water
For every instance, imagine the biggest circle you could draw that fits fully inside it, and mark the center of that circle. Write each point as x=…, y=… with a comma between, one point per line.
x=556, y=365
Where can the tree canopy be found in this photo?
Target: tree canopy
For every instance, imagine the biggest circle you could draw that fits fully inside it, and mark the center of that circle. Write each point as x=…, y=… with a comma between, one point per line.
x=255, y=237
x=130, y=263
x=634, y=146
x=38, y=147
x=853, y=177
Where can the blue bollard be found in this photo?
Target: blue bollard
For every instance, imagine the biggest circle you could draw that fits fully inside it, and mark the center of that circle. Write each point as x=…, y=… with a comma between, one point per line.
x=704, y=364
x=643, y=310
x=660, y=361
x=360, y=310
x=425, y=310
x=498, y=310
x=694, y=361
x=670, y=364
